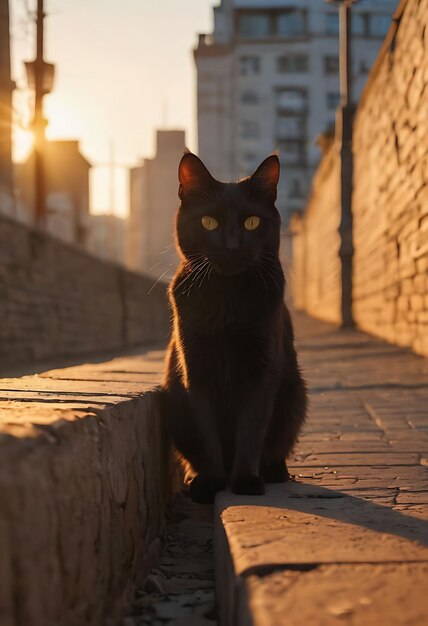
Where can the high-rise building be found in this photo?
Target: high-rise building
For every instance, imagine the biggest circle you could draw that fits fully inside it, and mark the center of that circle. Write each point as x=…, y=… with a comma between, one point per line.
x=268, y=79
x=153, y=204
x=6, y=87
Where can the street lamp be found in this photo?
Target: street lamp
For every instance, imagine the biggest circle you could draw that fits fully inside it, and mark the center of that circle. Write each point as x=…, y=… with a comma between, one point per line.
x=40, y=77
x=344, y=126
x=48, y=76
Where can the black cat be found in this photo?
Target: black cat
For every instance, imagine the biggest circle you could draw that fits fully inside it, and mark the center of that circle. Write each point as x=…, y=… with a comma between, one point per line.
x=233, y=393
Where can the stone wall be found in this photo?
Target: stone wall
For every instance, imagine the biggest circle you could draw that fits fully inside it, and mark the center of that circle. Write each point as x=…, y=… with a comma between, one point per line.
x=390, y=199
x=58, y=302
x=315, y=282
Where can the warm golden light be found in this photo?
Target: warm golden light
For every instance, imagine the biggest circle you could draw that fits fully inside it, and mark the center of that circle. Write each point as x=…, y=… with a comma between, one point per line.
x=23, y=141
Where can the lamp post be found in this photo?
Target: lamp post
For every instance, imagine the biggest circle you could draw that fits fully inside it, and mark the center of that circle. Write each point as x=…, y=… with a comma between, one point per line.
x=40, y=76
x=344, y=126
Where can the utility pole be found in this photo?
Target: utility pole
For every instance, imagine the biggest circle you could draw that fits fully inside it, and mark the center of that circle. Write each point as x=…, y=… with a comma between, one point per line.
x=344, y=128
x=347, y=111
x=39, y=122
x=6, y=87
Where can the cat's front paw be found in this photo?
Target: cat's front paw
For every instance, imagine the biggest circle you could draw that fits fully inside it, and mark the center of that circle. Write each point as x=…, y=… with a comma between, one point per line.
x=275, y=471
x=248, y=484
x=203, y=488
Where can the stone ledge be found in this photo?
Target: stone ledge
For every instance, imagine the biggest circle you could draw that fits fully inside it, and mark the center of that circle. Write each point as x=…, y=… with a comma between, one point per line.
x=85, y=476
x=348, y=541
x=301, y=538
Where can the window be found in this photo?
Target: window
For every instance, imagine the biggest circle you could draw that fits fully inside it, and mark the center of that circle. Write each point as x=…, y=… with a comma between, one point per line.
x=249, y=157
x=291, y=23
x=292, y=63
x=290, y=127
x=249, y=97
x=331, y=65
x=332, y=24
x=379, y=25
x=250, y=129
x=364, y=66
x=291, y=99
x=249, y=66
x=333, y=100
x=296, y=189
x=359, y=22
x=253, y=25
x=292, y=152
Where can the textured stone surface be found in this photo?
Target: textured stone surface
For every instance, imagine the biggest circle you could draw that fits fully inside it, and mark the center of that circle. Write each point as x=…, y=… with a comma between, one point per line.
x=332, y=595
x=389, y=204
x=84, y=479
x=180, y=590
x=57, y=301
x=315, y=275
x=347, y=542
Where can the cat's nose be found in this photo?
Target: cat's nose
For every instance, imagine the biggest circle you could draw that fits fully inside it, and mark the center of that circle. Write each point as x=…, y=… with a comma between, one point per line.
x=232, y=244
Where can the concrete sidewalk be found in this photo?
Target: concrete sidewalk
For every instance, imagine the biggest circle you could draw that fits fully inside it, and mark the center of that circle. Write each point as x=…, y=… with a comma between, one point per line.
x=347, y=543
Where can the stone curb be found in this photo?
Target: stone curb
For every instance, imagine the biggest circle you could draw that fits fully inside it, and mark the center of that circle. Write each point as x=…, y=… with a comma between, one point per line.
x=85, y=477
x=347, y=541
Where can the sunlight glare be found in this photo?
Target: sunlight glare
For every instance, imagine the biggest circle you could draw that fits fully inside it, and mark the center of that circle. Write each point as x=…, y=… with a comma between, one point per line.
x=22, y=144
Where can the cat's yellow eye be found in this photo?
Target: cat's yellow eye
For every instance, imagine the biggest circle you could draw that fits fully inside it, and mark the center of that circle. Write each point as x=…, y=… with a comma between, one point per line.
x=209, y=222
x=251, y=223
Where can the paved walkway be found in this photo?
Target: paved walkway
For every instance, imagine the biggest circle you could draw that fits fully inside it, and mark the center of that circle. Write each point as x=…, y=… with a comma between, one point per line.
x=347, y=543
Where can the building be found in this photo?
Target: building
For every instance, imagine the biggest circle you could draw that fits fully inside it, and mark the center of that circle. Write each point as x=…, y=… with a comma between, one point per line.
x=106, y=237
x=153, y=204
x=268, y=79
x=67, y=190
x=6, y=88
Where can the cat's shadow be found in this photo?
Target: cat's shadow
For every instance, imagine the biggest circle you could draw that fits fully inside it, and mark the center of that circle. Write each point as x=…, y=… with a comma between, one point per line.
x=314, y=500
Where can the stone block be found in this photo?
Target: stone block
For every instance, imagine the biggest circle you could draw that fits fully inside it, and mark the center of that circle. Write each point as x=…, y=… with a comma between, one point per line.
x=420, y=284
x=416, y=302
x=85, y=476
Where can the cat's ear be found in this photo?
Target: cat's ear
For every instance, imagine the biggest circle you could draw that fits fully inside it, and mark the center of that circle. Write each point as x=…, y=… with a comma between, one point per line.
x=192, y=174
x=266, y=176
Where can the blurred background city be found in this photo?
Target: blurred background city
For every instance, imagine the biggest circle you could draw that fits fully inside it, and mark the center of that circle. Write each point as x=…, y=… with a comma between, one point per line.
x=98, y=101
x=127, y=86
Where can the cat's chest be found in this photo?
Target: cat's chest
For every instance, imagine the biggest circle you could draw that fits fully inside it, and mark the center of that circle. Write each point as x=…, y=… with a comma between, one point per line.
x=220, y=310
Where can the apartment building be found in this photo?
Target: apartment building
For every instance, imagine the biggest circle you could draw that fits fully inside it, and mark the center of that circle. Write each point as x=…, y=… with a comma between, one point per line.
x=268, y=79
x=153, y=203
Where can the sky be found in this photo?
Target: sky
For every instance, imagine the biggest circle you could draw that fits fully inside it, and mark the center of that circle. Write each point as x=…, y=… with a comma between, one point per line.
x=123, y=69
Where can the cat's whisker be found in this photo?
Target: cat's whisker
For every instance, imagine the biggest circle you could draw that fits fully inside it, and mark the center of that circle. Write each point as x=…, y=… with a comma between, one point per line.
x=260, y=275
x=206, y=274
x=167, y=248
x=269, y=271
x=159, y=279
x=195, y=278
x=193, y=275
x=160, y=263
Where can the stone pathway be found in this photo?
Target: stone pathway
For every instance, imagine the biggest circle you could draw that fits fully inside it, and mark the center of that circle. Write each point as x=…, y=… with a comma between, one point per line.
x=347, y=542
x=180, y=590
